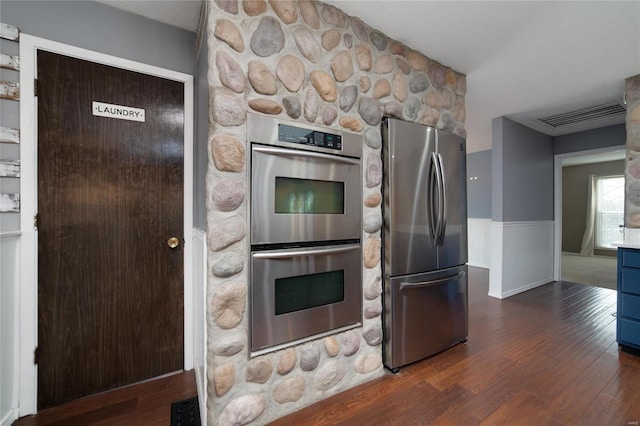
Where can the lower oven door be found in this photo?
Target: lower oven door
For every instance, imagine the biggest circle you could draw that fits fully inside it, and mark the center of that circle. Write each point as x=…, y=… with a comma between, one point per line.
x=305, y=292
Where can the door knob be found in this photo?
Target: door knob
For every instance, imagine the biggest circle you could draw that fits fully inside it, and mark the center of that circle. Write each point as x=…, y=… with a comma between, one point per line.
x=173, y=242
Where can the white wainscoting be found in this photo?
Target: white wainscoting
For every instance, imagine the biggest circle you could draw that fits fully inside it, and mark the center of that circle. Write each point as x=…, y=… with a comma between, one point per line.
x=199, y=317
x=479, y=242
x=522, y=256
x=9, y=279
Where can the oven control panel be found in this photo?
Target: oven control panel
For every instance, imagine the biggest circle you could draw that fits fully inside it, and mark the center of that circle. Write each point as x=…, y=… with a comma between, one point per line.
x=309, y=137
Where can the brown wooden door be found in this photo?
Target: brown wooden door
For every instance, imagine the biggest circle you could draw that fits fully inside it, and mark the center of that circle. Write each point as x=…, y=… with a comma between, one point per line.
x=110, y=195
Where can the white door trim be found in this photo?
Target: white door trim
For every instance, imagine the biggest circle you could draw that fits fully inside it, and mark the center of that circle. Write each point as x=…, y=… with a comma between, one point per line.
x=28, y=291
x=557, y=202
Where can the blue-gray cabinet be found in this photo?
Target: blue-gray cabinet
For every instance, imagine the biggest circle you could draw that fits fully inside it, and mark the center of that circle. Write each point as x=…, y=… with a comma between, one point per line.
x=628, y=330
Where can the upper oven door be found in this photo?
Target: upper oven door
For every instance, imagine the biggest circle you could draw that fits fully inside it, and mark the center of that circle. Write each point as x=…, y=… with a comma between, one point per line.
x=302, y=196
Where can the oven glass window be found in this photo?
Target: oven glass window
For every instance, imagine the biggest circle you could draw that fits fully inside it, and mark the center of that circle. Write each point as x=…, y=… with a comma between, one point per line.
x=308, y=291
x=307, y=196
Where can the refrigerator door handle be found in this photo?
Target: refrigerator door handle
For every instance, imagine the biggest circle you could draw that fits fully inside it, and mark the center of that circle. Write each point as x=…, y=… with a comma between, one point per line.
x=433, y=188
x=443, y=202
x=433, y=282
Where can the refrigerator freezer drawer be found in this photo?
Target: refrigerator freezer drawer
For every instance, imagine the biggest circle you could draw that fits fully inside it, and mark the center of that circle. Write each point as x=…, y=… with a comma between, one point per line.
x=424, y=314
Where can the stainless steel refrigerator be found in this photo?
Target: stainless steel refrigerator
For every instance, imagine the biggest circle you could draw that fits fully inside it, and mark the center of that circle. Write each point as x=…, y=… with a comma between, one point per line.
x=424, y=240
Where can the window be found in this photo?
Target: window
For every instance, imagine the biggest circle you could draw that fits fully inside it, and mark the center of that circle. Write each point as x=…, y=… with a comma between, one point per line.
x=609, y=211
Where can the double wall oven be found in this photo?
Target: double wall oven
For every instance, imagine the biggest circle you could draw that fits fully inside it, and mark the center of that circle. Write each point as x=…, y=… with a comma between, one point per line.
x=305, y=232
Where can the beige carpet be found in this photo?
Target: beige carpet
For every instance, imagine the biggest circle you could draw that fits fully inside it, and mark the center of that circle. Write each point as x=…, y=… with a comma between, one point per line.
x=597, y=271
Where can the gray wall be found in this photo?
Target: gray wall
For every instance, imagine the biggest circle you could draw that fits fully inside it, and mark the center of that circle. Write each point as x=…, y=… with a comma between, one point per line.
x=200, y=152
x=96, y=27
x=522, y=161
x=575, y=182
x=479, y=190
x=591, y=139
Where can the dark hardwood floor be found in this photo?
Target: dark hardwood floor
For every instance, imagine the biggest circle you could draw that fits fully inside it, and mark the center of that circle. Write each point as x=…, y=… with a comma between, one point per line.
x=546, y=356
x=142, y=404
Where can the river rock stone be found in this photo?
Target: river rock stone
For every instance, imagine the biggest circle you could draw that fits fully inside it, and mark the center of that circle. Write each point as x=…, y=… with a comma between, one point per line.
x=330, y=39
x=309, y=357
x=242, y=410
x=254, y=7
x=229, y=6
x=373, y=289
x=224, y=233
x=430, y=117
x=360, y=29
x=417, y=60
x=446, y=122
x=399, y=87
x=227, y=153
x=333, y=16
x=371, y=110
x=379, y=40
x=634, y=168
x=290, y=71
x=372, y=335
x=393, y=108
x=328, y=375
x=446, y=99
x=365, y=84
x=397, y=48
x=285, y=9
x=372, y=138
x=331, y=345
x=329, y=115
x=229, y=344
x=348, y=96
x=348, y=41
x=383, y=65
x=228, y=194
x=633, y=115
x=403, y=66
x=261, y=78
x=342, y=66
x=372, y=310
x=460, y=113
x=324, y=84
x=372, y=222
x=228, y=303
x=259, y=370
x=309, y=13
x=364, y=58
x=223, y=378
x=450, y=78
x=371, y=252
x=366, y=363
x=230, y=73
x=436, y=75
x=412, y=108
x=432, y=99
x=418, y=83
x=311, y=105
x=266, y=106
x=307, y=44
x=292, y=106
x=350, y=343
x=373, y=200
x=461, y=87
x=290, y=389
x=374, y=170
x=351, y=123
x=229, y=265
x=287, y=361
x=226, y=110
x=381, y=89
x=226, y=31
x=268, y=38
x=633, y=193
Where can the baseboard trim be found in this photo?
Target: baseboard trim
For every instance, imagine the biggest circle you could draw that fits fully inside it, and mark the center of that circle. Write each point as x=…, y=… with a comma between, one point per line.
x=10, y=417
x=518, y=290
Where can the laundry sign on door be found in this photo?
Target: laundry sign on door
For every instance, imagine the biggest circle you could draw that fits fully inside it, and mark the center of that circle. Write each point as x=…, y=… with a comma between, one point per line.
x=120, y=112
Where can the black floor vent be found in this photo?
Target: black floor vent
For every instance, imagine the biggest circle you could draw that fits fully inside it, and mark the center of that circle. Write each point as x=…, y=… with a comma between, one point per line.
x=185, y=413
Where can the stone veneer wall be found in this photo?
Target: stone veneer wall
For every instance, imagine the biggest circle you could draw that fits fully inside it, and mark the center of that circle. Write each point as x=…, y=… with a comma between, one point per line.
x=309, y=62
x=632, y=175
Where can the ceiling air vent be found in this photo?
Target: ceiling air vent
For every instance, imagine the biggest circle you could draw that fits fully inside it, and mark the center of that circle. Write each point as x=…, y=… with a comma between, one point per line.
x=585, y=114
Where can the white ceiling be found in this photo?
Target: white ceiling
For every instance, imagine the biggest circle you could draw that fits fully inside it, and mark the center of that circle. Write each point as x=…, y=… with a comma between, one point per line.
x=523, y=59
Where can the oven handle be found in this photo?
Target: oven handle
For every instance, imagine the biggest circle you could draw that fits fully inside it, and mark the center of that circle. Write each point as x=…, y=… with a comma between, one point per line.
x=304, y=252
x=292, y=152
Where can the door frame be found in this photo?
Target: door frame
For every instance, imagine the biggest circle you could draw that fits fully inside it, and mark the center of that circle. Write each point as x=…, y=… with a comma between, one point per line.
x=557, y=204
x=28, y=291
